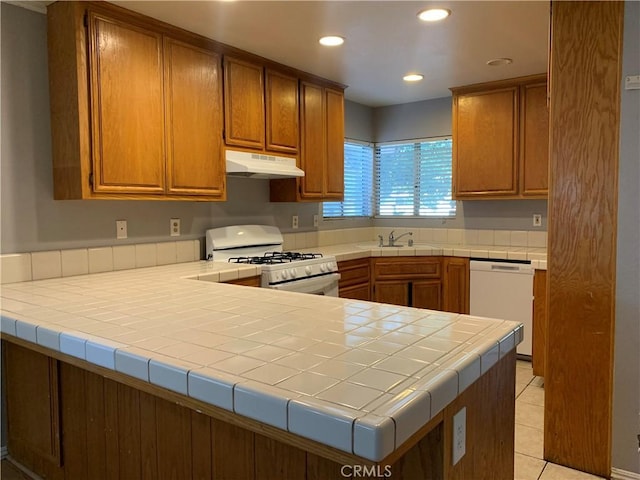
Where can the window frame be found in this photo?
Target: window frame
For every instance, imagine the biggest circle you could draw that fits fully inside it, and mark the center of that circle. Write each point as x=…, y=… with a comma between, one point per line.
x=371, y=206
x=416, y=180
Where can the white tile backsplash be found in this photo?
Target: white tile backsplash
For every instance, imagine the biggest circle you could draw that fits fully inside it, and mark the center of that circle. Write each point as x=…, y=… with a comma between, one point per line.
x=75, y=262
x=518, y=238
x=537, y=239
x=100, y=259
x=15, y=267
x=185, y=251
x=502, y=238
x=485, y=237
x=455, y=236
x=124, y=257
x=46, y=265
x=166, y=253
x=146, y=255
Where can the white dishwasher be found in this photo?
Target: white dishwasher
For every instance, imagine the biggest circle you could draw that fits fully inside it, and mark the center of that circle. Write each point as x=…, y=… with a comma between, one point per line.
x=504, y=290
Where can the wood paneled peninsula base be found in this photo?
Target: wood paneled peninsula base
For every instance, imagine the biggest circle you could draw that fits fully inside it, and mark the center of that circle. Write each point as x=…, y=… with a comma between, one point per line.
x=71, y=419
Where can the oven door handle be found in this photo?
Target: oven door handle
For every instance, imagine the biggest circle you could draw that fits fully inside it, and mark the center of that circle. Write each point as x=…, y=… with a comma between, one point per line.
x=315, y=285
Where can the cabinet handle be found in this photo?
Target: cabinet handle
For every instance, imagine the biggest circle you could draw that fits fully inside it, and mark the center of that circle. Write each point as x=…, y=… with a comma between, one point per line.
x=410, y=299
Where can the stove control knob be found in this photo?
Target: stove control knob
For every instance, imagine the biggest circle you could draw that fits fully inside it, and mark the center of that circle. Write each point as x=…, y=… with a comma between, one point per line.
x=293, y=273
x=323, y=267
x=333, y=266
x=285, y=274
x=308, y=269
x=276, y=276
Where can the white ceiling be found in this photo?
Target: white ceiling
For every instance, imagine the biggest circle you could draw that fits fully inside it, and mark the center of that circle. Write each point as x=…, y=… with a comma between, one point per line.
x=384, y=40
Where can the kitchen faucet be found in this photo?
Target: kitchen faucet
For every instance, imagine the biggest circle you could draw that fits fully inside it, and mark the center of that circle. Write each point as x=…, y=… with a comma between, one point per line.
x=393, y=239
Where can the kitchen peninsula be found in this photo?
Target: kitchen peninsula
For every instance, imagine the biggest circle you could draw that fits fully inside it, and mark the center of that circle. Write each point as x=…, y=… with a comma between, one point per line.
x=151, y=373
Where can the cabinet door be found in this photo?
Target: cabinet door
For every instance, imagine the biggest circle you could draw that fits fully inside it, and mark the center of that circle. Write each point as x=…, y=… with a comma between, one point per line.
x=127, y=110
x=33, y=416
x=534, y=140
x=193, y=99
x=539, y=321
x=426, y=294
x=356, y=292
x=243, y=103
x=455, y=288
x=334, y=169
x=394, y=292
x=282, y=112
x=485, y=146
x=313, y=141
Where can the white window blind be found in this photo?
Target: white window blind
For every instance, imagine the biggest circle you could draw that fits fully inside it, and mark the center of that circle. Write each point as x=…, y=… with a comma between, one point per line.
x=358, y=183
x=413, y=178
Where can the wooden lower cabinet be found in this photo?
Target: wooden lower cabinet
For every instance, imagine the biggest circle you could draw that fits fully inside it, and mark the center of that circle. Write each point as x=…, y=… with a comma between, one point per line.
x=435, y=283
x=395, y=292
x=426, y=294
x=247, y=282
x=408, y=281
x=32, y=398
x=539, y=322
x=115, y=426
x=455, y=285
x=355, y=278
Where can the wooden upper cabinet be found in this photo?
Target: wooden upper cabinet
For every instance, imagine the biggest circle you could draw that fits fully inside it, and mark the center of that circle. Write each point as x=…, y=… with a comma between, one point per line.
x=314, y=145
x=321, y=148
x=193, y=94
x=282, y=112
x=485, y=143
x=334, y=168
x=501, y=139
x=136, y=107
x=244, y=114
x=534, y=140
x=127, y=108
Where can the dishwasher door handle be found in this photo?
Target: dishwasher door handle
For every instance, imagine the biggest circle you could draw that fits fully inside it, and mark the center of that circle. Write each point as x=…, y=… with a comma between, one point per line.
x=507, y=268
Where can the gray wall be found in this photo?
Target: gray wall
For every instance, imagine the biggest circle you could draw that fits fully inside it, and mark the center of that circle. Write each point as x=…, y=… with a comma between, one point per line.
x=358, y=122
x=32, y=220
x=626, y=394
x=429, y=118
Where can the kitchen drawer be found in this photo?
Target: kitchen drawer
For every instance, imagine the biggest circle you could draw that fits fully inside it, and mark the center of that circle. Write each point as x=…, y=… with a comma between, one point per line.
x=406, y=268
x=353, y=272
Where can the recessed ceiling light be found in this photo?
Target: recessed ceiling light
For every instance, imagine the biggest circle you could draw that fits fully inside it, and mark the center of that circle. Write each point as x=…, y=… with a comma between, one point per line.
x=497, y=62
x=413, y=77
x=331, y=41
x=433, y=14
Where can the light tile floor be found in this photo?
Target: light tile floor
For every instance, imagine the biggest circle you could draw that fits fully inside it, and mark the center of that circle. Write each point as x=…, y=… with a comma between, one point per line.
x=529, y=437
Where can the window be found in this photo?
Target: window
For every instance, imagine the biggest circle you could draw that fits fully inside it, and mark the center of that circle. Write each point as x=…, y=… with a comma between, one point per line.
x=414, y=178
x=358, y=183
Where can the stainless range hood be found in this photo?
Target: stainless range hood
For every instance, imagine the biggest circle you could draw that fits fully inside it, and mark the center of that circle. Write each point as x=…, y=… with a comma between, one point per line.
x=258, y=165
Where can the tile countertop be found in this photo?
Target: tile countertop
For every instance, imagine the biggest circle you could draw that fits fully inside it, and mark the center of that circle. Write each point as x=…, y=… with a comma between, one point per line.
x=359, y=376
x=537, y=256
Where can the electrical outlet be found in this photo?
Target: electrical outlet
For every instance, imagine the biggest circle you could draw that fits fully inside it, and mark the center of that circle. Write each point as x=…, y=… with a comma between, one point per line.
x=174, y=227
x=121, y=229
x=459, y=435
x=294, y=221
x=315, y=220
x=537, y=220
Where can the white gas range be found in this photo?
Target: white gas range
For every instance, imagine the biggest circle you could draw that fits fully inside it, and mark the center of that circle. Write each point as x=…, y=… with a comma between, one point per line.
x=262, y=245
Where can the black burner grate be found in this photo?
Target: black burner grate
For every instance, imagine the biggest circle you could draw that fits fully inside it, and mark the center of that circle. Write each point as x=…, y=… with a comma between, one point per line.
x=272, y=258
